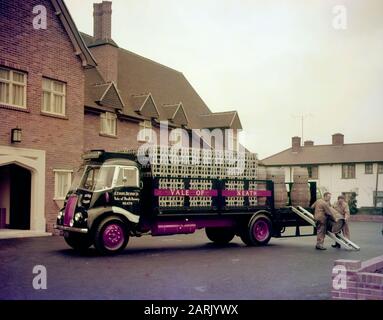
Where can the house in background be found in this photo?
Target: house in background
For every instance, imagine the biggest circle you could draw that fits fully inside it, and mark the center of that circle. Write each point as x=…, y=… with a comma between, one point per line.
x=338, y=167
x=63, y=92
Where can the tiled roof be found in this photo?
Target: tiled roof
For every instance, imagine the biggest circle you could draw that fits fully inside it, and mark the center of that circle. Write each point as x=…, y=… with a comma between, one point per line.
x=167, y=86
x=228, y=119
x=329, y=154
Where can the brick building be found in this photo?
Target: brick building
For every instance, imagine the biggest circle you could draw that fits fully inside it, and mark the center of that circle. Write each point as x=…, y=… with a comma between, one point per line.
x=63, y=92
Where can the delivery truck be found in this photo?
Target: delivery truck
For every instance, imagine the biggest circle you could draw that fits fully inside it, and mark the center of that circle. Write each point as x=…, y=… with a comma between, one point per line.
x=114, y=196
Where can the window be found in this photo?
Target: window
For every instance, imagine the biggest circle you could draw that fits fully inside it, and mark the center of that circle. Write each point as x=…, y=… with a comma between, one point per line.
x=348, y=171
x=63, y=181
x=145, y=134
x=13, y=88
x=378, y=199
x=109, y=124
x=369, y=168
x=380, y=168
x=313, y=172
x=53, y=100
x=128, y=177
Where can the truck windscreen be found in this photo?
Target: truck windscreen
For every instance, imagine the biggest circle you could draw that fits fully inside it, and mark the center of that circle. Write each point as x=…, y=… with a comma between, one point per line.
x=96, y=178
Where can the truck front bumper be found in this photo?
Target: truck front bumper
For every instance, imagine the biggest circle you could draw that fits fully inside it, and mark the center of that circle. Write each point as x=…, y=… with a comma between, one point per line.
x=71, y=229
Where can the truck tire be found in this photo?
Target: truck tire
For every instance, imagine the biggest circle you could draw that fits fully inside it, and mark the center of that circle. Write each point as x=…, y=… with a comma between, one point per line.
x=258, y=231
x=78, y=241
x=111, y=236
x=220, y=236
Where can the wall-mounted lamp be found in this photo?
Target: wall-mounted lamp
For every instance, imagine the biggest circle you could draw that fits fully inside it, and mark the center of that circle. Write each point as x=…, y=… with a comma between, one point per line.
x=16, y=135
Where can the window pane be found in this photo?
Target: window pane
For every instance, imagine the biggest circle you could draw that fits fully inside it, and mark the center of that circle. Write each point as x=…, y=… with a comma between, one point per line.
x=18, y=95
x=63, y=180
x=46, y=84
x=113, y=127
x=18, y=77
x=4, y=92
x=58, y=102
x=58, y=86
x=46, y=101
x=4, y=74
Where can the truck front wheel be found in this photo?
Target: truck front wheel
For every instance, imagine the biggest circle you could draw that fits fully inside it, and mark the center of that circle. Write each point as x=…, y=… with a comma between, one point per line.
x=111, y=236
x=78, y=241
x=258, y=231
x=220, y=236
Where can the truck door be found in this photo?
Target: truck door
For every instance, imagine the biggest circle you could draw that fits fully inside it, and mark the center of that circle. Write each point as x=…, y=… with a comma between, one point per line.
x=127, y=189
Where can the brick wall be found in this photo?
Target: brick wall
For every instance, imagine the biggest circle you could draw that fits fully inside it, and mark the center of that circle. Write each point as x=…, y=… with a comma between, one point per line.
x=126, y=135
x=41, y=53
x=362, y=280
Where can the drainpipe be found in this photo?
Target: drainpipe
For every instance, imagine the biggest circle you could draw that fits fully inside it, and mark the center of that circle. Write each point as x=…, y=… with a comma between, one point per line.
x=376, y=187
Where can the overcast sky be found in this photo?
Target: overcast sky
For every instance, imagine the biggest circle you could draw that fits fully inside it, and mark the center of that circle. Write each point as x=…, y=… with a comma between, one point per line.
x=270, y=60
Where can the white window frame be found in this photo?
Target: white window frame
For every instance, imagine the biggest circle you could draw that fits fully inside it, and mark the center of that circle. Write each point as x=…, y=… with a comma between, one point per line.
x=346, y=175
x=57, y=172
x=11, y=83
x=105, y=127
x=145, y=133
x=52, y=94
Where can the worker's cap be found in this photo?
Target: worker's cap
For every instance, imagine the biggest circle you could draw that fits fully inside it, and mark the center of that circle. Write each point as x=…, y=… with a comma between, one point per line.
x=341, y=197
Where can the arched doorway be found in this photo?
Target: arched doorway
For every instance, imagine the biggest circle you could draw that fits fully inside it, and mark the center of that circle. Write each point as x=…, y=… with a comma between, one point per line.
x=15, y=197
x=22, y=188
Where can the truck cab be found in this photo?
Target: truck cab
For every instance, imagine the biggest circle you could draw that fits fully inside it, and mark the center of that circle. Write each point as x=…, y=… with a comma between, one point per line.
x=103, y=199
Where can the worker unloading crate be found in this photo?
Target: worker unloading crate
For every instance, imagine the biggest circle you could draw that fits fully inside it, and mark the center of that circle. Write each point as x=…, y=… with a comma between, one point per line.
x=322, y=212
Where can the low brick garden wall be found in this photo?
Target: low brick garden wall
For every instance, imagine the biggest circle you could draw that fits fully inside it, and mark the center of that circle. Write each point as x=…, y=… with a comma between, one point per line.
x=361, y=280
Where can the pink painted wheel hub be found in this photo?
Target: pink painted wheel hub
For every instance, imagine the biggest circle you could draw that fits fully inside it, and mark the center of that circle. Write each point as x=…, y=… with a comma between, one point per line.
x=113, y=236
x=261, y=230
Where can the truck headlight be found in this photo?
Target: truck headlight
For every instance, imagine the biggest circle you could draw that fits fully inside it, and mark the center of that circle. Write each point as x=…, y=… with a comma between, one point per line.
x=78, y=216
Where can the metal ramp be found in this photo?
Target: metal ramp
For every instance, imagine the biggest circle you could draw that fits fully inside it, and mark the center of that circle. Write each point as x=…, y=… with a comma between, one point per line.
x=338, y=238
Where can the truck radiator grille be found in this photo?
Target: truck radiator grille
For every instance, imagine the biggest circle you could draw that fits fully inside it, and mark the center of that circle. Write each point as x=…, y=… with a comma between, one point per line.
x=70, y=209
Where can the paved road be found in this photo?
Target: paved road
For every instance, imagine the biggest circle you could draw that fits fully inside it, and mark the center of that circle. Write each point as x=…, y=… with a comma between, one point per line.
x=180, y=267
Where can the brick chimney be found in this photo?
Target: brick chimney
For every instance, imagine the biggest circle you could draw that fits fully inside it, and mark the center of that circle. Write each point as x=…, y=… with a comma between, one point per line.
x=309, y=143
x=102, y=20
x=296, y=144
x=104, y=49
x=337, y=139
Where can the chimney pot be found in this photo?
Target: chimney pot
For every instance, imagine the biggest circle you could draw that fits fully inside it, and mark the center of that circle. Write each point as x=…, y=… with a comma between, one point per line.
x=338, y=139
x=102, y=20
x=296, y=144
x=309, y=143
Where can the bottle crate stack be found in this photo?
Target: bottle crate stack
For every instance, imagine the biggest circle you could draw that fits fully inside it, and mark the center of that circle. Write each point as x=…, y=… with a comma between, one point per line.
x=174, y=165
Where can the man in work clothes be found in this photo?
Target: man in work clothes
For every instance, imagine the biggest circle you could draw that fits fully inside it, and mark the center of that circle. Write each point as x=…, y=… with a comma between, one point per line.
x=342, y=207
x=322, y=209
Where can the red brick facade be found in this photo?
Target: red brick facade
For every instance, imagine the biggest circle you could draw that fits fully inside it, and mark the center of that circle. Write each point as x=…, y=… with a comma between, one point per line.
x=42, y=53
x=59, y=53
x=126, y=134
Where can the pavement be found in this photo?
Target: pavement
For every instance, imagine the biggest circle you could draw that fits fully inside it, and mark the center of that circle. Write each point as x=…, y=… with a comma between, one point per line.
x=181, y=267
